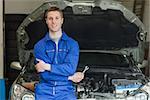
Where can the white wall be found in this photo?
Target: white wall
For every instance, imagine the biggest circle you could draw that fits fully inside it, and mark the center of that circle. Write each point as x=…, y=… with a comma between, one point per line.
x=1, y=40
x=127, y=3
x=21, y=6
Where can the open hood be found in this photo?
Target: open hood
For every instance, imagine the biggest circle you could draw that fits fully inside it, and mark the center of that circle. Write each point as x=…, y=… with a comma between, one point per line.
x=96, y=25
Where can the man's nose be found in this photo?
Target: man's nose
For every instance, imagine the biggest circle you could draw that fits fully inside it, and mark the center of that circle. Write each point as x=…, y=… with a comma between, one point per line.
x=54, y=21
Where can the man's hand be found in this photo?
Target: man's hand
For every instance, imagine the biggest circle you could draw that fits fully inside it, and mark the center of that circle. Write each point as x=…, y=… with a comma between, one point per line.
x=42, y=66
x=77, y=77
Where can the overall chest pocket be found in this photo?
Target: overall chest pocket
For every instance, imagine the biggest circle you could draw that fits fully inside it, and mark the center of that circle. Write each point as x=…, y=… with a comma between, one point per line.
x=50, y=53
x=62, y=53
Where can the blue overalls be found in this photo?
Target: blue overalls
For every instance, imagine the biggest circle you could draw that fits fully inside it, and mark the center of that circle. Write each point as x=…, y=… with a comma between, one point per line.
x=54, y=84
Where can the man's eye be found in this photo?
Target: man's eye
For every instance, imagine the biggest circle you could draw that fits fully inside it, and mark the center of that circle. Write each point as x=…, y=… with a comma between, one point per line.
x=57, y=17
x=50, y=18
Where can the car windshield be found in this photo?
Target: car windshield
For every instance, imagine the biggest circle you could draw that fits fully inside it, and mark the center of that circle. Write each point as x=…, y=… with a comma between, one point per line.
x=107, y=60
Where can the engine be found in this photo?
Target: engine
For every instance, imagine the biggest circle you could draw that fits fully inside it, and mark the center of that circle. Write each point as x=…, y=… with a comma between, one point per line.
x=107, y=86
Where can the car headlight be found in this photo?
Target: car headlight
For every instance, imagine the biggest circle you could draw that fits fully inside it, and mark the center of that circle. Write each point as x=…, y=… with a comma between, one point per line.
x=17, y=91
x=28, y=96
x=21, y=93
x=146, y=88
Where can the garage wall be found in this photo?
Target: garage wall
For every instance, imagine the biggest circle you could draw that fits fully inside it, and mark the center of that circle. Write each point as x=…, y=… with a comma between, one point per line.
x=1, y=40
x=21, y=6
x=127, y=3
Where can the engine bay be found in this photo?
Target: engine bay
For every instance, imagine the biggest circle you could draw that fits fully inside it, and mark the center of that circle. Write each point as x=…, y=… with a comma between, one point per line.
x=98, y=85
x=109, y=76
x=106, y=85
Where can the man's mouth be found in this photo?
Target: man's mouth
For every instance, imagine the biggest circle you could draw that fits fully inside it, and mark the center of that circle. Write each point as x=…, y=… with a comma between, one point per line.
x=54, y=26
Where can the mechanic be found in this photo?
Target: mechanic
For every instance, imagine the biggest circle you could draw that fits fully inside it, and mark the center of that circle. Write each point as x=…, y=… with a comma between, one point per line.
x=56, y=61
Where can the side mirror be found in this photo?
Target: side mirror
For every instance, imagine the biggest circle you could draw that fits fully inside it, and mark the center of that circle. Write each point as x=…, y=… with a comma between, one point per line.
x=15, y=65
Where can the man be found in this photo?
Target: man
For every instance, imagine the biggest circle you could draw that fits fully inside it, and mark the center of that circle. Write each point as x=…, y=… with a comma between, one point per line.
x=57, y=58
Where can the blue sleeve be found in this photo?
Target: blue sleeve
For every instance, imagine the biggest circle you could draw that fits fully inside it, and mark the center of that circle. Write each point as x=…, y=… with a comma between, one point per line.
x=39, y=52
x=69, y=66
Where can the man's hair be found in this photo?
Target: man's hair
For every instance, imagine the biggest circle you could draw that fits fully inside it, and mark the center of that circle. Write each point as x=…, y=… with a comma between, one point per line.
x=53, y=9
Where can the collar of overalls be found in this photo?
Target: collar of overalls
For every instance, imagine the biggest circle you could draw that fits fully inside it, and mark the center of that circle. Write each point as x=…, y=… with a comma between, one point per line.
x=63, y=37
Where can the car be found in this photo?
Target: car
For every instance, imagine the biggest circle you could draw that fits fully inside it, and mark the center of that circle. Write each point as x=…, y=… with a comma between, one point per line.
x=111, y=40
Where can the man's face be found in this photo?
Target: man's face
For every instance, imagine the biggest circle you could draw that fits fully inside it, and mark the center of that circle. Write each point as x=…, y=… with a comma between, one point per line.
x=54, y=21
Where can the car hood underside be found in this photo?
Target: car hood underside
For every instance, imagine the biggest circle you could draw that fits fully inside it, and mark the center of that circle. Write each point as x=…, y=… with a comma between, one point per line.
x=103, y=29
